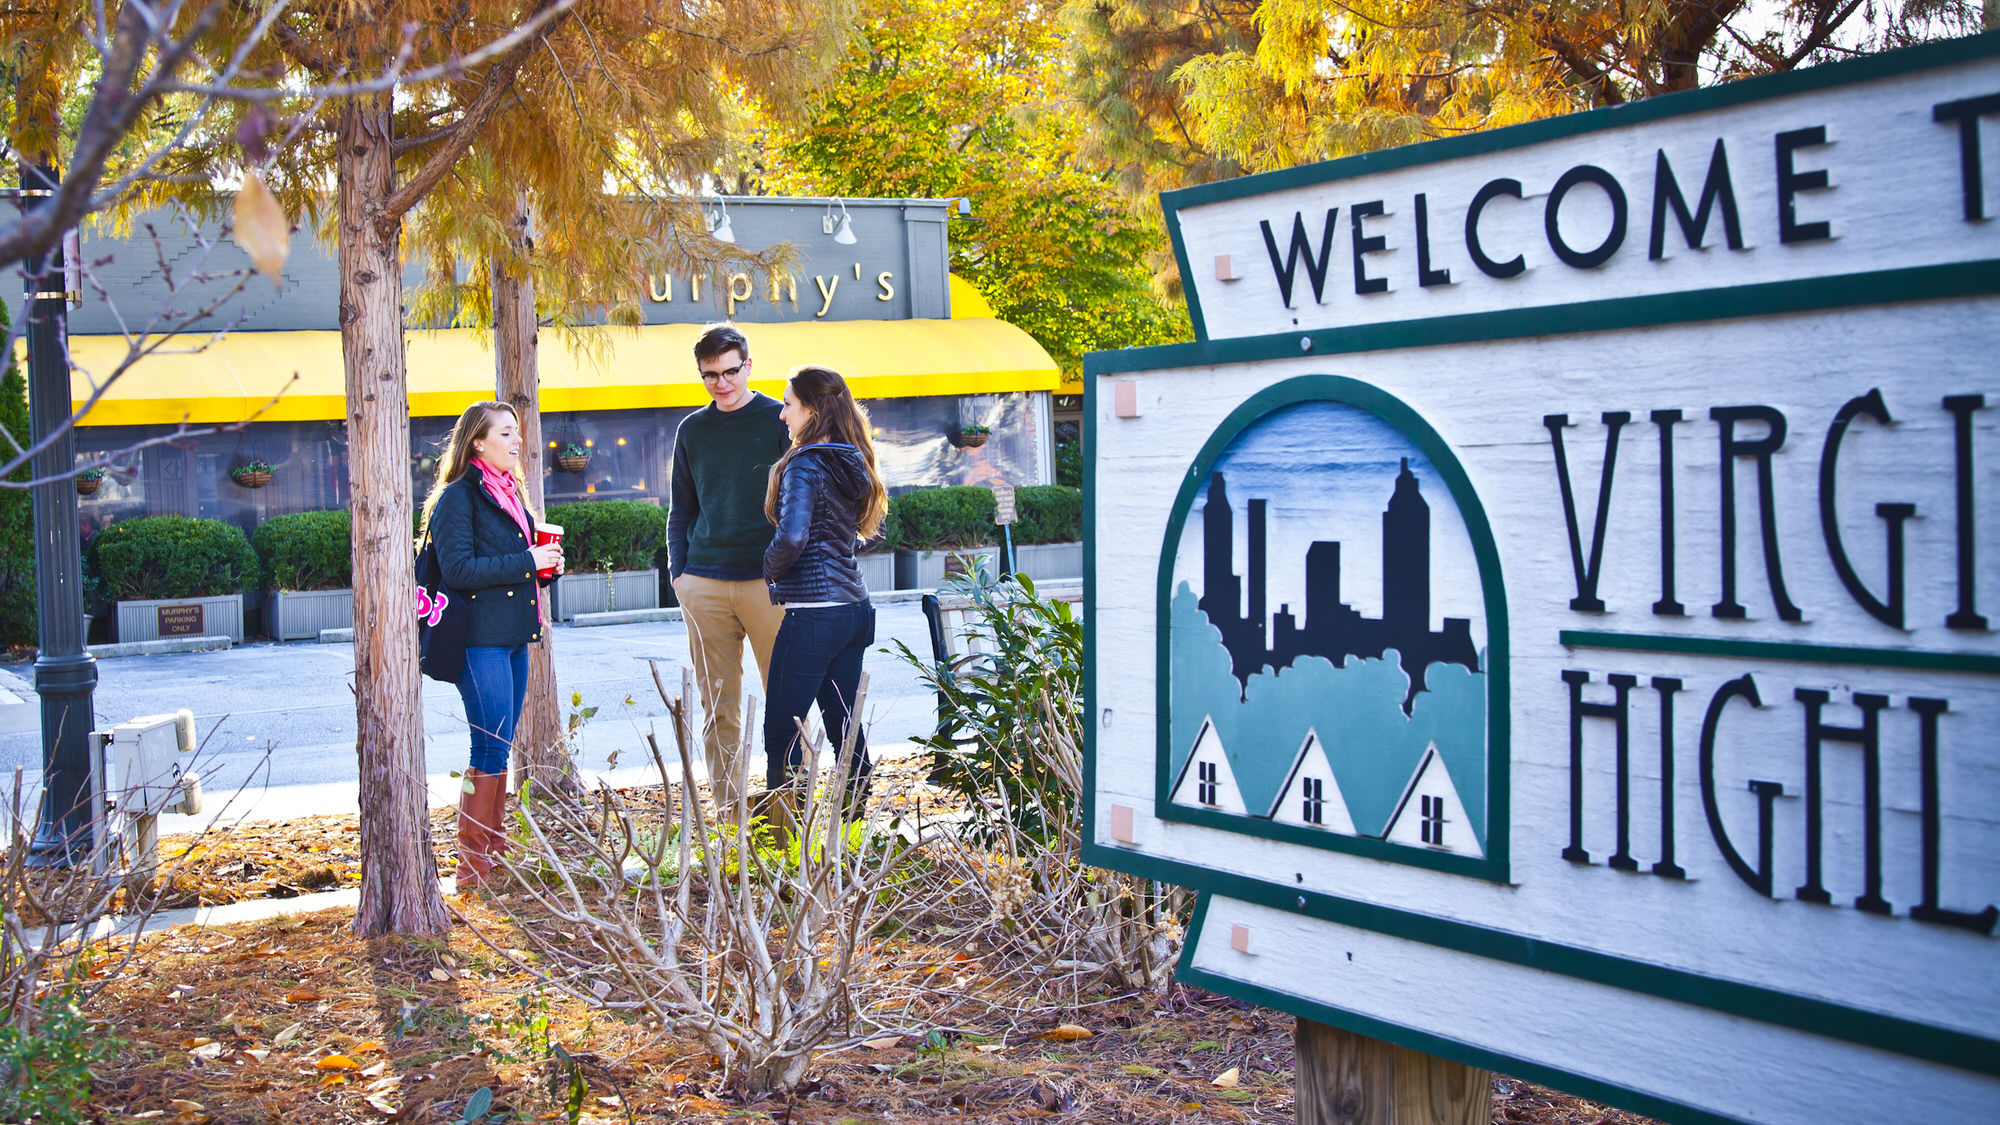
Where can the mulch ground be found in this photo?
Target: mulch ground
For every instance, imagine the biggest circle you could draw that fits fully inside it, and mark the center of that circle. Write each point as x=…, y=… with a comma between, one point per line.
x=296, y=1020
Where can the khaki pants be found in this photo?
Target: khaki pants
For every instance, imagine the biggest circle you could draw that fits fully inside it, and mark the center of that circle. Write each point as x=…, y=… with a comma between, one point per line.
x=720, y=616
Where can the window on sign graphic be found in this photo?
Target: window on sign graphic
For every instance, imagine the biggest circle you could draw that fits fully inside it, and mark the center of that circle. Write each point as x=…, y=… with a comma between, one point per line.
x=1432, y=826
x=1315, y=802
x=1204, y=776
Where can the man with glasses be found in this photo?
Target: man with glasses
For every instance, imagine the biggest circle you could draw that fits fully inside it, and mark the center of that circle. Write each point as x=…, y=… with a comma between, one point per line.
x=716, y=536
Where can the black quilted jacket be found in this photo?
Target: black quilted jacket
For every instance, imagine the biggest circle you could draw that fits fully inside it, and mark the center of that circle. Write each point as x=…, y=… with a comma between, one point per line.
x=485, y=557
x=811, y=557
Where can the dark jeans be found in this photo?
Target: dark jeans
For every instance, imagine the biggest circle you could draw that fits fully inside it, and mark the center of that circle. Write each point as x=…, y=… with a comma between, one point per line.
x=817, y=657
x=493, y=684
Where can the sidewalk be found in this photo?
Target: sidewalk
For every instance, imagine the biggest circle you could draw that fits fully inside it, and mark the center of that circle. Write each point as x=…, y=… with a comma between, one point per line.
x=276, y=722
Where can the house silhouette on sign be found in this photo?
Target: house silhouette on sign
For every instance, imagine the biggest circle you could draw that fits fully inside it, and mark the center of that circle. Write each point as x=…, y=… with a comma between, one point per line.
x=1430, y=814
x=1311, y=797
x=1206, y=781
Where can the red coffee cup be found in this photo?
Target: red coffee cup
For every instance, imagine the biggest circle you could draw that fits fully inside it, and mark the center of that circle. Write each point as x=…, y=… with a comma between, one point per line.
x=548, y=533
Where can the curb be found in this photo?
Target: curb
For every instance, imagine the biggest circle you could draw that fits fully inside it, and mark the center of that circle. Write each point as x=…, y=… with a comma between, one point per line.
x=161, y=646
x=673, y=613
x=336, y=636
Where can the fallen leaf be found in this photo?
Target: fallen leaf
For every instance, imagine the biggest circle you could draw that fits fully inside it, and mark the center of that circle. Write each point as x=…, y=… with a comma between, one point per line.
x=988, y=1048
x=301, y=996
x=1141, y=1070
x=210, y=1049
x=1070, y=1031
x=151, y=1113
x=440, y=974
x=289, y=1034
x=613, y=1102
x=262, y=229
x=1231, y=1077
x=382, y=1106
x=337, y=1062
x=256, y=1054
x=1238, y=1023
x=372, y=1071
x=182, y=1105
x=883, y=1042
x=369, y=1046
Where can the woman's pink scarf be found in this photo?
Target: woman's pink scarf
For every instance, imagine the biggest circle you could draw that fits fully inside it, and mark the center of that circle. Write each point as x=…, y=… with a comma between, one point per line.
x=505, y=489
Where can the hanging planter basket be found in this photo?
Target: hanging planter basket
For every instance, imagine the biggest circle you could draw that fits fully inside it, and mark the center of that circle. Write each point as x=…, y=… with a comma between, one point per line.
x=88, y=486
x=573, y=463
x=972, y=439
x=251, y=478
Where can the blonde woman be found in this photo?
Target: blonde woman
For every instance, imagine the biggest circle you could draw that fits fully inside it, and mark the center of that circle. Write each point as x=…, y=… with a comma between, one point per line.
x=478, y=515
x=824, y=497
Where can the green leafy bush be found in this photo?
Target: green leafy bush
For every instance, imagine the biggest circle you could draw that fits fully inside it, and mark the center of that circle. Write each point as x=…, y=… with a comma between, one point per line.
x=174, y=557
x=935, y=519
x=1048, y=513
x=306, y=550
x=17, y=519
x=603, y=535
x=45, y=1061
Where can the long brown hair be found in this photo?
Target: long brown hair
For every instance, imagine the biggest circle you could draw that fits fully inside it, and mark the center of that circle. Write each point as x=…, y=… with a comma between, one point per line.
x=836, y=416
x=475, y=423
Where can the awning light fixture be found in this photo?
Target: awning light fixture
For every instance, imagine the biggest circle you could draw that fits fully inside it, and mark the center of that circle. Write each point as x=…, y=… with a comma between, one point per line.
x=718, y=222
x=842, y=229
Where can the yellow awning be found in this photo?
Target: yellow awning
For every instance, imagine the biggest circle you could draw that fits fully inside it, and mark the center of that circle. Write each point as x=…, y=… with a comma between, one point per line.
x=621, y=369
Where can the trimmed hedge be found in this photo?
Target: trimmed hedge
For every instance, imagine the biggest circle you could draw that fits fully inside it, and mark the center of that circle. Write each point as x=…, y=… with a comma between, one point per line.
x=1048, y=513
x=957, y=516
x=306, y=550
x=174, y=557
x=938, y=519
x=601, y=535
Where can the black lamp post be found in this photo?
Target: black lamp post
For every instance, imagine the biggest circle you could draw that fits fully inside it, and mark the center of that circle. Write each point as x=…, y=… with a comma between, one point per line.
x=65, y=674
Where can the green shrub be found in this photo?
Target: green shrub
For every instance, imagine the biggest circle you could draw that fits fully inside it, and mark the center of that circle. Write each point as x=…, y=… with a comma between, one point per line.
x=1048, y=513
x=17, y=518
x=174, y=557
x=306, y=550
x=46, y=1060
x=936, y=519
x=603, y=535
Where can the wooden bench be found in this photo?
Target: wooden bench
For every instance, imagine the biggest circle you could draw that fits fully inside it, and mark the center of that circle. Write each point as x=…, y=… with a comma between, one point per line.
x=962, y=645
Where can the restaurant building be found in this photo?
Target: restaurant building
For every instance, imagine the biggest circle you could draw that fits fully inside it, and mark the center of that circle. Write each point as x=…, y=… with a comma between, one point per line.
x=871, y=296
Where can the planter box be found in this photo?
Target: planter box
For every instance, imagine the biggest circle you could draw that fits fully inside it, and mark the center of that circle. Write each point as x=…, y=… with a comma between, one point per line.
x=926, y=570
x=299, y=615
x=1044, y=562
x=878, y=570
x=601, y=593
x=181, y=617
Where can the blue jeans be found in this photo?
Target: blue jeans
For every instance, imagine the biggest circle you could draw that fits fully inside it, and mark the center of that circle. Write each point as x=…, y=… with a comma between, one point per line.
x=817, y=657
x=493, y=684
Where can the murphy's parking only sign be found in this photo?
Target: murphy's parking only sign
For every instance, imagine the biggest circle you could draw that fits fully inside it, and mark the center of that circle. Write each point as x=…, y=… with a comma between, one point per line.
x=1550, y=612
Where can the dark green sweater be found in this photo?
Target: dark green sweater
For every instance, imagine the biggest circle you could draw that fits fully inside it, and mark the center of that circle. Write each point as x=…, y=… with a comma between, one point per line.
x=722, y=463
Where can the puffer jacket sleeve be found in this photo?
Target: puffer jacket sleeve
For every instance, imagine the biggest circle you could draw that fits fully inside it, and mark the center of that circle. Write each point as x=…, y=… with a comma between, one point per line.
x=797, y=491
x=464, y=568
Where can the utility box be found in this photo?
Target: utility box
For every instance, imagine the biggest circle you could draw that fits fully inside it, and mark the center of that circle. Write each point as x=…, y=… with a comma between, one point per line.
x=142, y=772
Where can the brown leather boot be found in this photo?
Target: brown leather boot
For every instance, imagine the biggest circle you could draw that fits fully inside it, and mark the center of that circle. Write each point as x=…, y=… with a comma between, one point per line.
x=478, y=812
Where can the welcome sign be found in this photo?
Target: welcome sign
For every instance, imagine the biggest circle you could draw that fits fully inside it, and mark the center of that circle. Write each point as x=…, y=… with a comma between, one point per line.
x=1550, y=611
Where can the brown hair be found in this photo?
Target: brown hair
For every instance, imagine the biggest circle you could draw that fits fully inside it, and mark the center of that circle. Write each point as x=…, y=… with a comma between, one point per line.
x=836, y=416
x=475, y=423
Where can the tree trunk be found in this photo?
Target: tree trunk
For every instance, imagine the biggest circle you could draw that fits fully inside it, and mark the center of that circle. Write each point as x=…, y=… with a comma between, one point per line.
x=540, y=755
x=1349, y=1079
x=399, y=878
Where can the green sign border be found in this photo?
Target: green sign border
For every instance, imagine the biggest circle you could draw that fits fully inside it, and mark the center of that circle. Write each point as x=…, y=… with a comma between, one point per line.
x=1499, y=716
x=1944, y=1045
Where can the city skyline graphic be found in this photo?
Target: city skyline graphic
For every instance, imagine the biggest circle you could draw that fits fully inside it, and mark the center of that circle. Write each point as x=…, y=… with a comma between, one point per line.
x=1258, y=639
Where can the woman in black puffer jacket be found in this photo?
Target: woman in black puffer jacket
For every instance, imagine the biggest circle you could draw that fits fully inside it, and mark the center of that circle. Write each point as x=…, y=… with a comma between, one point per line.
x=825, y=496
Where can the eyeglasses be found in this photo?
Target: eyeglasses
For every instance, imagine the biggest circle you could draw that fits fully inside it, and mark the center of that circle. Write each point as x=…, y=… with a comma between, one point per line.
x=726, y=375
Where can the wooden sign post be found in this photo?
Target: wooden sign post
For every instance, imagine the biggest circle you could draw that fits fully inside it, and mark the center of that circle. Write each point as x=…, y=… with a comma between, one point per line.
x=1549, y=612
x=1003, y=516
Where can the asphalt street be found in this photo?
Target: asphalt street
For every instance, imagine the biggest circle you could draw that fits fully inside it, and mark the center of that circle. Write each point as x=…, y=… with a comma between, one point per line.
x=277, y=721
